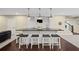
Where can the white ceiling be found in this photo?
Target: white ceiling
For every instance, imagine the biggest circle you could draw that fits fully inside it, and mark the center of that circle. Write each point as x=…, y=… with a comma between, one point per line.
x=42, y=11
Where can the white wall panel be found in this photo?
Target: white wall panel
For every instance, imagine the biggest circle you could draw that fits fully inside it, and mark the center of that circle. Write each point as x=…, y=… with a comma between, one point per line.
x=33, y=12
x=21, y=22
x=45, y=11
x=11, y=24
x=65, y=11
x=54, y=22
x=3, y=23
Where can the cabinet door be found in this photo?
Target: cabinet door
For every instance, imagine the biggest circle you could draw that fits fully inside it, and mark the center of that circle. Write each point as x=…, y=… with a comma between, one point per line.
x=45, y=11
x=33, y=12
x=13, y=11
x=65, y=11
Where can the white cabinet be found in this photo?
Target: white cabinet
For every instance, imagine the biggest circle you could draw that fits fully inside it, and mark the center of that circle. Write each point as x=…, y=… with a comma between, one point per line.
x=45, y=11
x=13, y=11
x=11, y=24
x=33, y=12
x=65, y=11
x=41, y=12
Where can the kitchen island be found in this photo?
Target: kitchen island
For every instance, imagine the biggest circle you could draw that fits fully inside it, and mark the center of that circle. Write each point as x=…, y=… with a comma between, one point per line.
x=44, y=29
x=40, y=32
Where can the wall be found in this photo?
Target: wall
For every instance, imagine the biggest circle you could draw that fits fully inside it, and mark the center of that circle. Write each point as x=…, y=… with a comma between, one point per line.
x=3, y=23
x=21, y=22
x=31, y=22
x=54, y=22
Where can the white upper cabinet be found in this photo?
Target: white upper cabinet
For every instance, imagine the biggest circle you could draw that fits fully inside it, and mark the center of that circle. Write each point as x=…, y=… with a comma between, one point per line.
x=45, y=12
x=33, y=11
x=13, y=11
x=65, y=11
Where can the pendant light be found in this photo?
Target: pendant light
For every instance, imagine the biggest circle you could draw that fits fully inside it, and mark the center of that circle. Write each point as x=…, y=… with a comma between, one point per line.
x=50, y=17
x=50, y=12
x=39, y=17
x=28, y=13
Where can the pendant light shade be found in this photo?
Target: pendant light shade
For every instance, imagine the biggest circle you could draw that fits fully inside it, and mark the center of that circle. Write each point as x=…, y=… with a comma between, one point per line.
x=28, y=14
x=50, y=12
x=39, y=17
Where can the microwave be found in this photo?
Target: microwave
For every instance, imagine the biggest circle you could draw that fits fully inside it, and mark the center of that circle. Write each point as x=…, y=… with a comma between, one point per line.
x=39, y=20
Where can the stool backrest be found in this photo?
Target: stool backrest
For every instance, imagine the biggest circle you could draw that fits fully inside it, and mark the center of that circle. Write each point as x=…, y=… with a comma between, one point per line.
x=55, y=35
x=23, y=35
x=35, y=35
x=46, y=35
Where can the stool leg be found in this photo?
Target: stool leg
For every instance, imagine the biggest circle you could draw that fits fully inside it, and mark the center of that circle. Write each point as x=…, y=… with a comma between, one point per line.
x=19, y=46
x=50, y=46
x=26, y=43
x=31, y=46
x=50, y=43
x=38, y=46
x=43, y=44
x=17, y=40
x=19, y=43
x=38, y=43
x=59, y=44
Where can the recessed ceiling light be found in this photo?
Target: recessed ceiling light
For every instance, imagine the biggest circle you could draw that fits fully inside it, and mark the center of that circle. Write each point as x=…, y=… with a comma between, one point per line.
x=17, y=13
x=67, y=21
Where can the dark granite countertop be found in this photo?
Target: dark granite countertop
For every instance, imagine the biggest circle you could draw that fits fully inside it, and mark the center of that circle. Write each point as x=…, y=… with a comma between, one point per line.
x=44, y=29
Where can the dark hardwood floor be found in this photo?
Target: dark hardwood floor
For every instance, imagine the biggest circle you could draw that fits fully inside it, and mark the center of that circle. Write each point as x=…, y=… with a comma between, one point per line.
x=66, y=46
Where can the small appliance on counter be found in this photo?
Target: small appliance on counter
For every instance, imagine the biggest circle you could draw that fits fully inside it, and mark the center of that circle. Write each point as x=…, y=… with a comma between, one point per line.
x=39, y=23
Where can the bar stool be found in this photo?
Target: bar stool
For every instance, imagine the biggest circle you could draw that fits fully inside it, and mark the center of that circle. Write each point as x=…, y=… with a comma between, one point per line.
x=46, y=39
x=17, y=36
x=23, y=40
x=34, y=40
x=56, y=40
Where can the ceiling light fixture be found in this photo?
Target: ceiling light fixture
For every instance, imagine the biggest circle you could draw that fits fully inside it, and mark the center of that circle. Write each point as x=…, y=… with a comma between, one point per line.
x=50, y=12
x=28, y=12
x=39, y=14
x=17, y=13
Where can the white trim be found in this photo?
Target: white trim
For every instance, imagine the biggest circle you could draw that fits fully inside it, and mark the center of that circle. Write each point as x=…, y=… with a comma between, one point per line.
x=7, y=42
